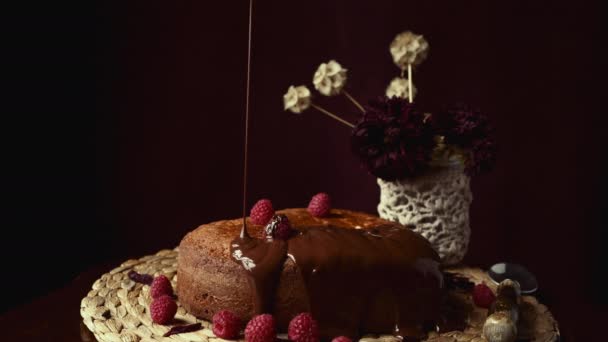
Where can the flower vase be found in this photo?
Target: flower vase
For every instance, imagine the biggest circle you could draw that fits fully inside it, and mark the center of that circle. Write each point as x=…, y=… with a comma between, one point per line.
x=436, y=205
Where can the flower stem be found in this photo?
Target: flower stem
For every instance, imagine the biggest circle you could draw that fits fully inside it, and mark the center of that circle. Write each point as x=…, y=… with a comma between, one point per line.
x=332, y=115
x=352, y=99
x=409, y=83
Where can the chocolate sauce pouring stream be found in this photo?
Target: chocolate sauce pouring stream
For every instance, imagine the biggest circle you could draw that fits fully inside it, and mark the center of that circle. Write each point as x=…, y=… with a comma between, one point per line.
x=244, y=233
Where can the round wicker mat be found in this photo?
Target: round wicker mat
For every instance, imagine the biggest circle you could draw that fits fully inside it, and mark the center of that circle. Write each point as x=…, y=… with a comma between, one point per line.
x=116, y=309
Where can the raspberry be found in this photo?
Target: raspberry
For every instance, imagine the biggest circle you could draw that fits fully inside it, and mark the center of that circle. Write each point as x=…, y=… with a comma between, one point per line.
x=261, y=328
x=341, y=339
x=261, y=212
x=163, y=309
x=226, y=325
x=483, y=296
x=279, y=227
x=161, y=286
x=319, y=205
x=303, y=328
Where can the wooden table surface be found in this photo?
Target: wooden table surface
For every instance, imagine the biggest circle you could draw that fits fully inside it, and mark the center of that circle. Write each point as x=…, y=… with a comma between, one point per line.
x=56, y=316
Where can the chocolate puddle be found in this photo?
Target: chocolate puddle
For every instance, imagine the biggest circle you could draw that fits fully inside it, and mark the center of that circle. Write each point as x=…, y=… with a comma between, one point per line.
x=350, y=273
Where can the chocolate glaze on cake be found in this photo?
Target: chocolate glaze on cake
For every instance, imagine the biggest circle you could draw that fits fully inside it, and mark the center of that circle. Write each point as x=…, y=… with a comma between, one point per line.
x=354, y=272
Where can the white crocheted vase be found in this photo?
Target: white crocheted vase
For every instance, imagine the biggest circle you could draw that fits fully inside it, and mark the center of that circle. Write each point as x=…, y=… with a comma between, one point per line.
x=435, y=205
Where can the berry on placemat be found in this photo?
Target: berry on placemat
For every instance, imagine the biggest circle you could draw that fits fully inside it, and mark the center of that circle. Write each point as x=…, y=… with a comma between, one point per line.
x=163, y=309
x=140, y=278
x=319, y=205
x=261, y=212
x=303, y=328
x=483, y=296
x=226, y=325
x=181, y=329
x=341, y=339
x=279, y=227
x=161, y=285
x=261, y=328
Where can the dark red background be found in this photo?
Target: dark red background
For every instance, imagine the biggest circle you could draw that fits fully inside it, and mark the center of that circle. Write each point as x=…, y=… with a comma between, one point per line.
x=126, y=127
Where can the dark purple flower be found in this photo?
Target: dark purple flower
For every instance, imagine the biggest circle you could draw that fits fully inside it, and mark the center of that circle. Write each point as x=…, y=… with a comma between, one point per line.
x=392, y=140
x=470, y=130
x=462, y=125
x=482, y=157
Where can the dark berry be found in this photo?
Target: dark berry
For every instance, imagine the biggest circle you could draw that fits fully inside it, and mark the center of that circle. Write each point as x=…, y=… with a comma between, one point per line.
x=483, y=296
x=279, y=227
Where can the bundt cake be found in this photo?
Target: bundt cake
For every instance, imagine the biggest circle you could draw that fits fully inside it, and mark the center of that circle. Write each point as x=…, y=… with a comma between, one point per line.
x=356, y=273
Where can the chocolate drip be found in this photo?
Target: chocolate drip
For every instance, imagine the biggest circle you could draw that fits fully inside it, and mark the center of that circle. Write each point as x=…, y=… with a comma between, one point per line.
x=348, y=274
x=263, y=260
x=244, y=233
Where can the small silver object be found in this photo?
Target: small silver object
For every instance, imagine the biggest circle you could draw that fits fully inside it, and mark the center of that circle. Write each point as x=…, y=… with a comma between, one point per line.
x=505, y=270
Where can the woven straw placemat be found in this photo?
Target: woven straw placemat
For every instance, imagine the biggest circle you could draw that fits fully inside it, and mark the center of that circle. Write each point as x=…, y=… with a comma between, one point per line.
x=116, y=309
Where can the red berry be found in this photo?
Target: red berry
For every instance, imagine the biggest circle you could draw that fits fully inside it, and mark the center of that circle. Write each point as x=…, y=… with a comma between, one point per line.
x=261, y=212
x=303, y=328
x=341, y=339
x=163, y=309
x=161, y=285
x=261, y=328
x=226, y=325
x=279, y=227
x=483, y=296
x=319, y=205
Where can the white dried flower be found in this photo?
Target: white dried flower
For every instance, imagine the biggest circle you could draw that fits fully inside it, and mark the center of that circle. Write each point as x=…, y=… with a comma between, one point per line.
x=330, y=78
x=399, y=87
x=409, y=48
x=297, y=99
